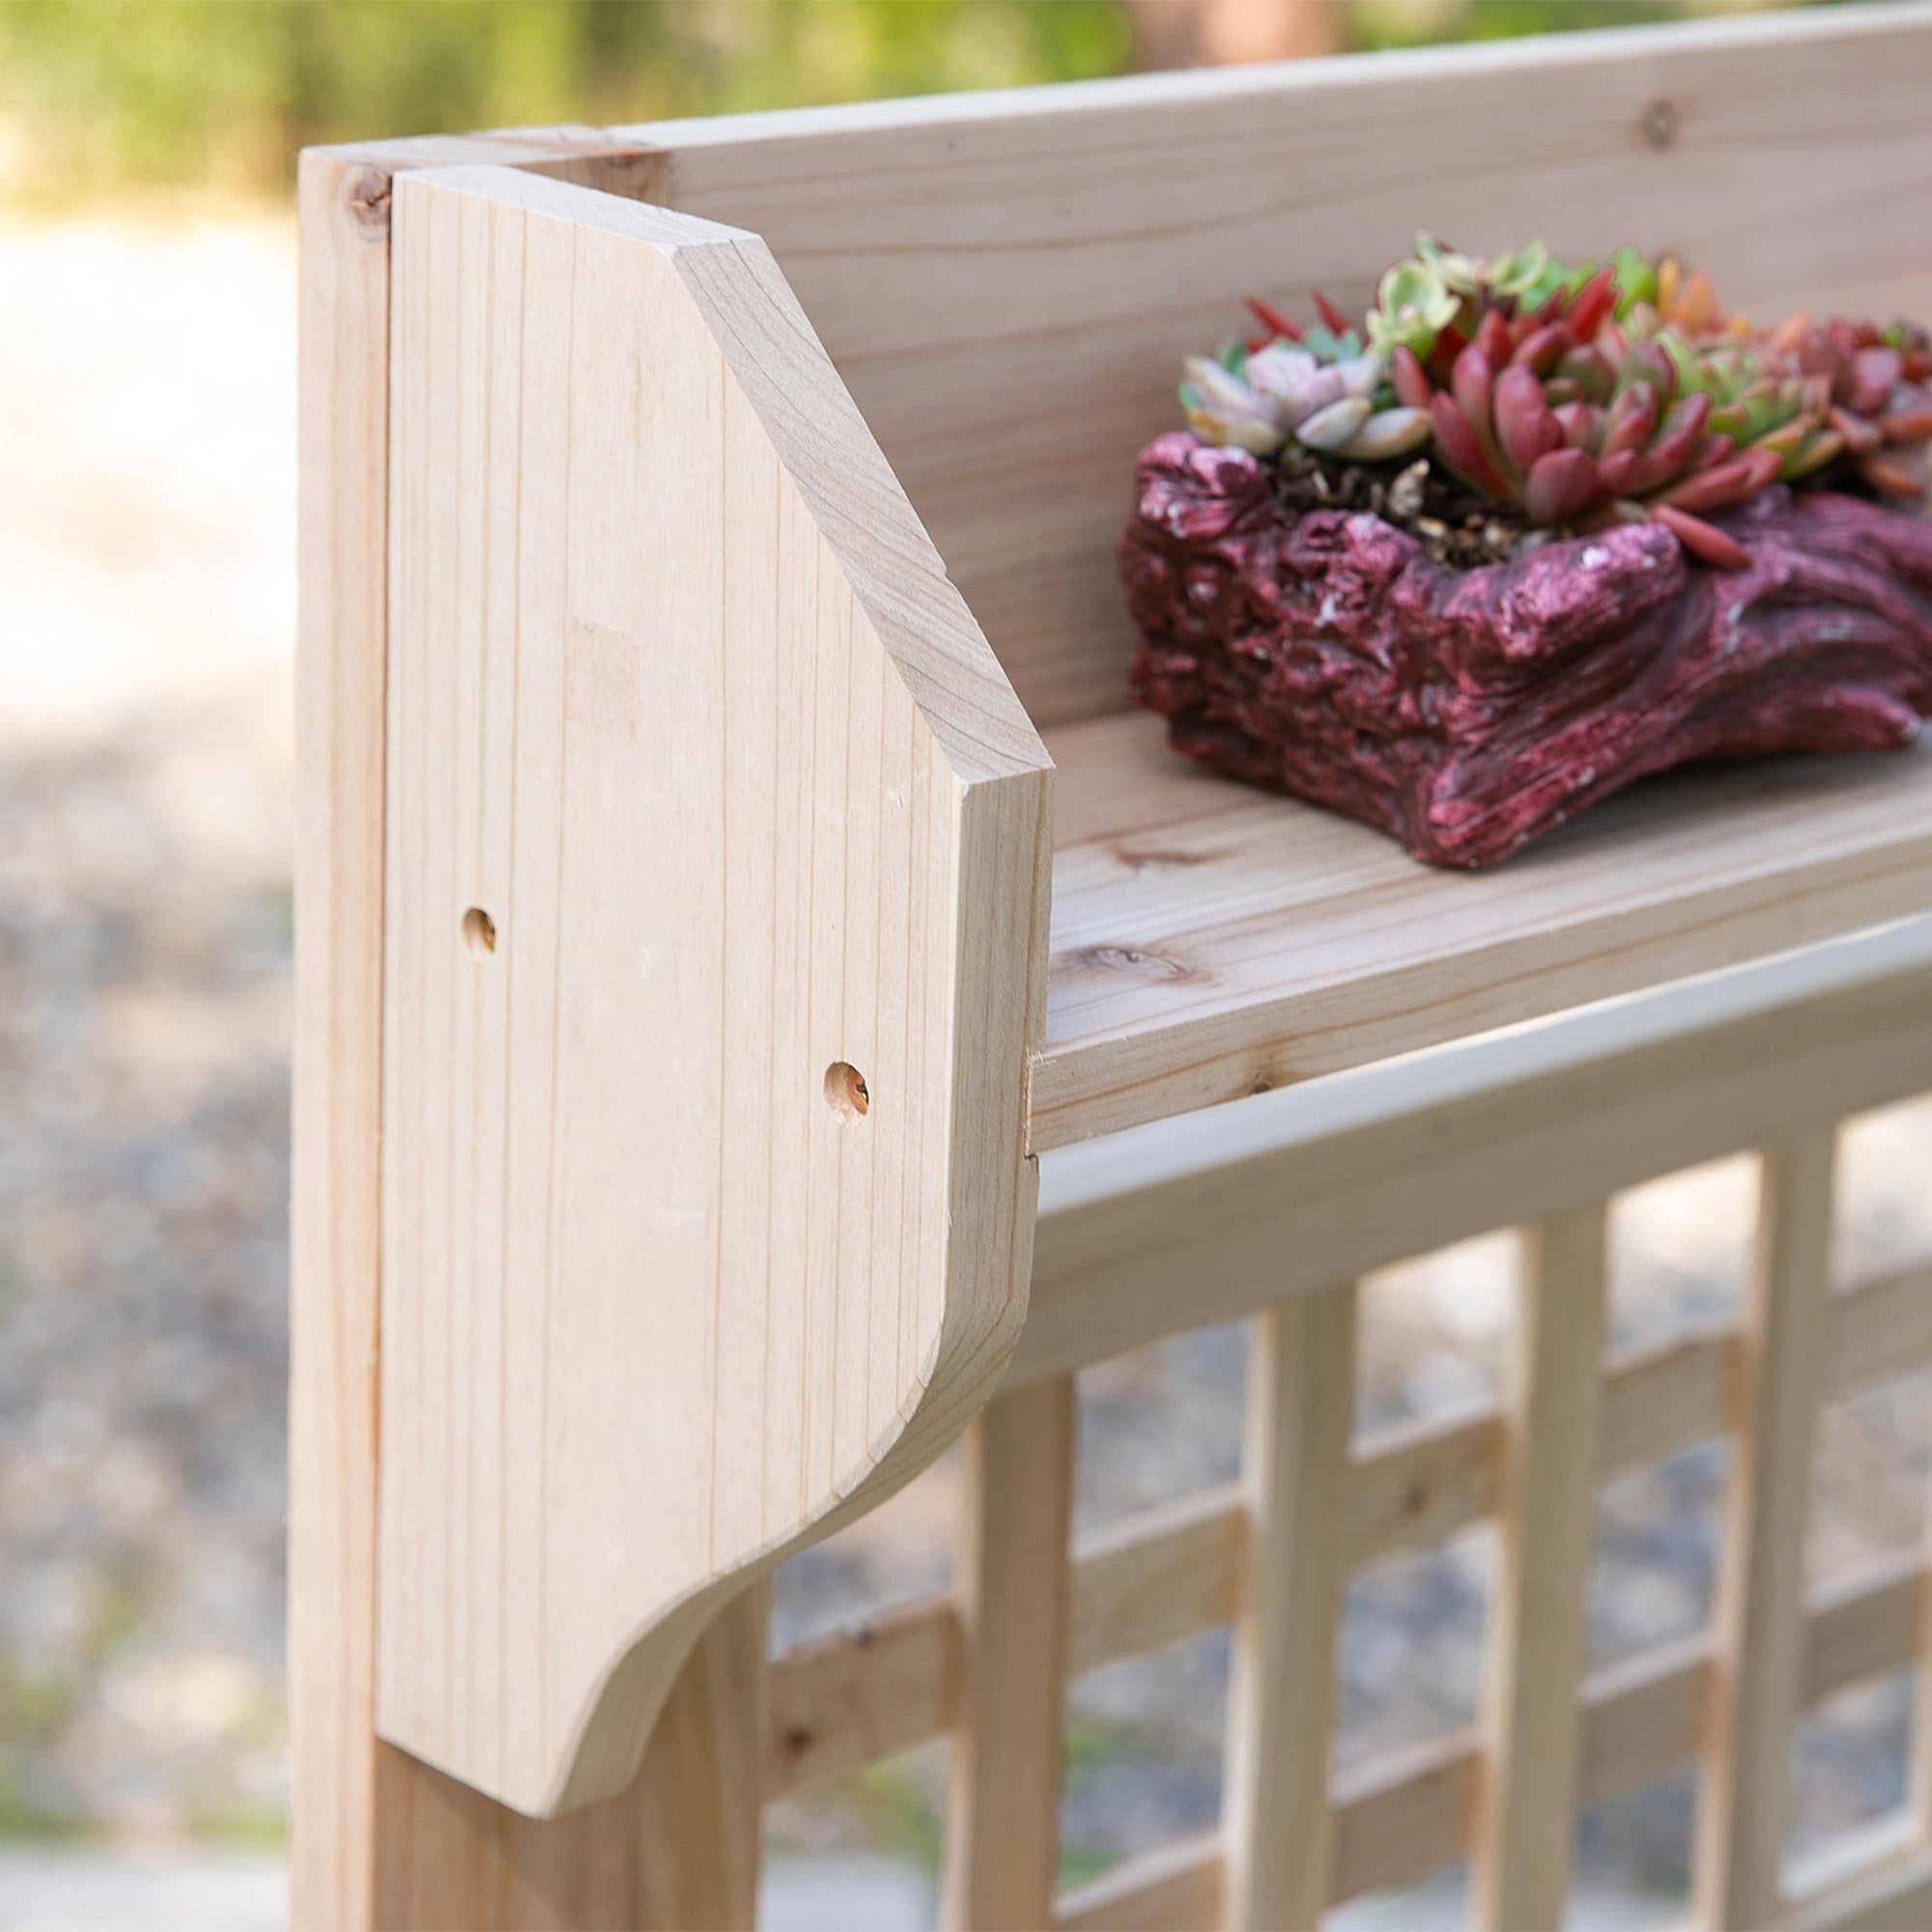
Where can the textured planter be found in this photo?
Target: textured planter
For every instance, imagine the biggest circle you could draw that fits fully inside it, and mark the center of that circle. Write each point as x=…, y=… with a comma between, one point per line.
x=1324, y=654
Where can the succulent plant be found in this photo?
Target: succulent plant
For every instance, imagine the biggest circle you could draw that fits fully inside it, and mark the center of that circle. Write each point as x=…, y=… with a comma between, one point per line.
x=1286, y=397
x=1877, y=398
x=1584, y=395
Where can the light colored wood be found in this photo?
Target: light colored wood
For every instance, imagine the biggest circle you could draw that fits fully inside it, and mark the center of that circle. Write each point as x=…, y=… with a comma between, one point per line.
x=1897, y=1898
x=1177, y=1888
x=1003, y=1793
x=1880, y=1330
x=337, y=1072
x=1745, y=1799
x=1281, y=1691
x=1007, y=282
x=1158, y=1577
x=335, y=1759
x=690, y=713
x=1861, y=1626
x=1420, y=1484
x=1404, y=1815
x=1659, y=1402
x=1114, y=1272
x=1210, y=942
x=677, y=1852
x=857, y=1696
x=1552, y=1452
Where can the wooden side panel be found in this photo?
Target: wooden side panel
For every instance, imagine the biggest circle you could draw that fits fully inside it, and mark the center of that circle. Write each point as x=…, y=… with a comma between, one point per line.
x=1009, y=283
x=711, y=971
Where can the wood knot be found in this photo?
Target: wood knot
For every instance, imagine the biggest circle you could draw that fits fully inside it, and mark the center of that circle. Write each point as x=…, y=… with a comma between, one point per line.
x=1659, y=124
x=1136, y=962
x=368, y=200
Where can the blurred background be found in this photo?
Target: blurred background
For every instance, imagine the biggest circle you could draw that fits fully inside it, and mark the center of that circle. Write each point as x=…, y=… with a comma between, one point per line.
x=147, y=305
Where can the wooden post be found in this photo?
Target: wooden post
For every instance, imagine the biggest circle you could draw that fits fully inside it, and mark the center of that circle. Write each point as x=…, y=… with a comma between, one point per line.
x=378, y=1840
x=1281, y=1699
x=1003, y=1821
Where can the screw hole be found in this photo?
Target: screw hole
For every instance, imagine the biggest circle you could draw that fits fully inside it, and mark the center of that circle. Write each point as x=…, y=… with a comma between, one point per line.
x=1660, y=123
x=479, y=930
x=846, y=1093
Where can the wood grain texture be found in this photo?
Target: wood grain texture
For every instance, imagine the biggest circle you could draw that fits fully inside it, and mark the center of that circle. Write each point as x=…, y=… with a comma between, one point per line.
x=1745, y=1799
x=1007, y=282
x=1177, y=1888
x=1552, y=1452
x=857, y=1696
x=1210, y=942
x=676, y=1851
x=1157, y=1577
x=335, y=1758
x=1003, y=1790
x=1282, y=1689
x=1114, y=1272
x=1405, y=1814
x=681, y=699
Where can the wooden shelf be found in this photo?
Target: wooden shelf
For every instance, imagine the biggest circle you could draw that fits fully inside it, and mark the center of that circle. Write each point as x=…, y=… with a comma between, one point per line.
x=1210, y=942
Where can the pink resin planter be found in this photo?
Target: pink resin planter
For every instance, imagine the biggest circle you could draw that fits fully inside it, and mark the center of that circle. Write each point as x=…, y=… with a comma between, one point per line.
x=1324, y=654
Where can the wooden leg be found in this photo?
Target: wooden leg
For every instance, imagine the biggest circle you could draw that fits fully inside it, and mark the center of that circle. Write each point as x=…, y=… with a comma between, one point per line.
x=677, y=1853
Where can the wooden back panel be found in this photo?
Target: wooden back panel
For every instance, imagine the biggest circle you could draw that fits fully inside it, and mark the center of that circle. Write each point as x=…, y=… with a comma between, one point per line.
x=1007, y=282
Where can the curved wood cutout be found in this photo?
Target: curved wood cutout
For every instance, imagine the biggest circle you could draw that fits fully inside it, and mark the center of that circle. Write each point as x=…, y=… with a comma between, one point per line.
x=703, y=789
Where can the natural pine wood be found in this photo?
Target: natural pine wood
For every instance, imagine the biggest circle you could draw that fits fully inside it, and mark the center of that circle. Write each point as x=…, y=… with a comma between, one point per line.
x=1002, y=1794
x=616, y=1187
x=677, y=1851
x=1745, y=1799
x=1177, y=1888
x=1210, y=942
x=1158, y=1577
x=1009, y=281
x=337, y=1764
x=1281, y=1691
x=1197, y=957
x=857, y=1696
x=1552, y=1454
x=1114, y=1271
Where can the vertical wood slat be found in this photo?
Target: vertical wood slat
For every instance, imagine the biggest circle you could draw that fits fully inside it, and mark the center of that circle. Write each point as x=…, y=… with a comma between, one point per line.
x=1002, y=1809
x=1745, y=1798
x=1281, y=1699
x=1553, y=1421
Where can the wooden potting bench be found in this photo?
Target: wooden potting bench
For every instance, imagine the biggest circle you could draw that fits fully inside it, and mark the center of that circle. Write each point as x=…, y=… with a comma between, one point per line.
x=767, y=1006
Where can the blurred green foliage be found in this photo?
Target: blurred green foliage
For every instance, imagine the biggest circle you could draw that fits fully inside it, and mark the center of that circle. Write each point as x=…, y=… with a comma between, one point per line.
x=104, y=94
x=101, y=96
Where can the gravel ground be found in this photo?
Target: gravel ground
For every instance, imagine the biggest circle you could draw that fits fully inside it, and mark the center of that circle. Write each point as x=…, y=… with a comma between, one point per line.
x=145, y=521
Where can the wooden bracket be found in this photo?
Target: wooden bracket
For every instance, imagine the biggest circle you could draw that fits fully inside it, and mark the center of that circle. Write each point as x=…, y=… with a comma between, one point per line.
x=706, y=1212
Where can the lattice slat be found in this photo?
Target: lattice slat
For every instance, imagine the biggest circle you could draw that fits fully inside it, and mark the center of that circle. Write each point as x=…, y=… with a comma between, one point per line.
x=1551, y=1452
x=1281, y=1696
x=1271, y=1553
x=1003, y=1824
x=1745, y=1799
